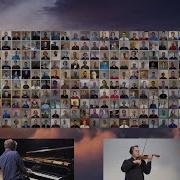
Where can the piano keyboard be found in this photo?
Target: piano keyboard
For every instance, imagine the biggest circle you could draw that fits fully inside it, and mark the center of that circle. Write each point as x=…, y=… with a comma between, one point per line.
x=43, y=176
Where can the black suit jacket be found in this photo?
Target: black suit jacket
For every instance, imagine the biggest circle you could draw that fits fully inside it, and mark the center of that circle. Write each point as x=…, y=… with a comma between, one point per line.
x=134, y=171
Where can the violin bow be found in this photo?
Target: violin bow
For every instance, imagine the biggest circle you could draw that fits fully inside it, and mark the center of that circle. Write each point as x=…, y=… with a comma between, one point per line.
x=145, y=144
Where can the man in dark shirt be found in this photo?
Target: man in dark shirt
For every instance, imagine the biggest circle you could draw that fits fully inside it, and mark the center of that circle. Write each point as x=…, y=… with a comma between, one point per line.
x=144, y=124
x=11, y=162
x=75, y=124
x=6, y=46
x=135, y=167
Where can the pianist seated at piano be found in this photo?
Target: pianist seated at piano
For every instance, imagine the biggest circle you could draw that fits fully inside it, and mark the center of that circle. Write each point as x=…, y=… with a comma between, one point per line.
x=11, y=163
x=37, y=159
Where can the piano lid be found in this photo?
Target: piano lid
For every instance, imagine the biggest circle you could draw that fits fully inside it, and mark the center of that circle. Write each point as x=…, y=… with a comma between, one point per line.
x=50, y=149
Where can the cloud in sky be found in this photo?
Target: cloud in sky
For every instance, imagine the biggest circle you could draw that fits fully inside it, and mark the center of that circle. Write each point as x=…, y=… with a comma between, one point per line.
x=89, y=156
x=26, y=15
x=5, y=4
x=94, y=15
x=111, y=14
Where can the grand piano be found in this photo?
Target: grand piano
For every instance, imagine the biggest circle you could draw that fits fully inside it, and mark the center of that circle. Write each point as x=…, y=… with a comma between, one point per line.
x=50, y=163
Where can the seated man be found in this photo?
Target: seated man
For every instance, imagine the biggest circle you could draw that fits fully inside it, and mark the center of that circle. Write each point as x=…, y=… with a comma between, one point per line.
x=11, y=162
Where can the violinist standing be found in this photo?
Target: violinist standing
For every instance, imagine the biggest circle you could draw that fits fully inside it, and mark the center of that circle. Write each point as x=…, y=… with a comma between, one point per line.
x=135, y=167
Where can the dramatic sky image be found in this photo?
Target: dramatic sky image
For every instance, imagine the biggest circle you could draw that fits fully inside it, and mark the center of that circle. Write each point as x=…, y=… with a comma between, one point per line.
x=58, y=15
x=89, y=15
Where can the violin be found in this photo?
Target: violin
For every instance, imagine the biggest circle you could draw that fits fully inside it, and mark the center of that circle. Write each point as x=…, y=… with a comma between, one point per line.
x=144, y=157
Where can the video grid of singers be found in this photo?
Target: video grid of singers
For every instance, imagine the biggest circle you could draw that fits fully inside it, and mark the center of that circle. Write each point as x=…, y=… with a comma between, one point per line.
x=86, y=79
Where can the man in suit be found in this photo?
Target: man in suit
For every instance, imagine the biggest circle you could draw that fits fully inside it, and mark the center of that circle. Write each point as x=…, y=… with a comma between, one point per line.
x=135, y=168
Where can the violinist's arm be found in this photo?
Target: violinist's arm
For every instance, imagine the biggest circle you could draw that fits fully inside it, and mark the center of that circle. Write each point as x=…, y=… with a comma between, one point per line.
x=127, y=165
x=146, y=167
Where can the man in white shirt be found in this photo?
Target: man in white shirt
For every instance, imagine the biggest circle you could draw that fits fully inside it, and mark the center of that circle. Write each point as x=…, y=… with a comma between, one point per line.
x=64, y=124
x=124, y=124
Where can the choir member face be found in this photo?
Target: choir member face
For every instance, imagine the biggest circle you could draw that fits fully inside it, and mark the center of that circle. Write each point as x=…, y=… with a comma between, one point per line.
x=143, y=34
x=84, y=122
x=35, y=122
x=143, y=122
x=46, y=122
x=75, y=122
x=104, y=34
x=55, y=73
x=123, y=34
x=163, y=121
x=153, y=83
x=115, y=92
x=45, y=44
x=5, y=33
x=55, y=122
x=85, y=74
x=134, y=35
x=74, y=93
x=25, y=123
x=104, y=83
x=94, y=111
x=172, y=34
x=112, y=34
x=123, y=113
x=84, y=103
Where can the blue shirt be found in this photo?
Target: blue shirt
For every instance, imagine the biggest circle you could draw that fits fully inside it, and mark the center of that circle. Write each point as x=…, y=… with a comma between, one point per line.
x=15, y=57
x=6, y=115
x=104, y=66
x=12, y=165
x=172, y=125
x=153, y=38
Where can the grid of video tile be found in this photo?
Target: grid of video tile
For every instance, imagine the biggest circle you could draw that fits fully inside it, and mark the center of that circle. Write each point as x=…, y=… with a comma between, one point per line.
x=90, y=79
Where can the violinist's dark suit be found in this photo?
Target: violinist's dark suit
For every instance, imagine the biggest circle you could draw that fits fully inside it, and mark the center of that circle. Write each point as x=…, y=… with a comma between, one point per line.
x=134, y=171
